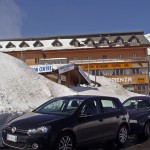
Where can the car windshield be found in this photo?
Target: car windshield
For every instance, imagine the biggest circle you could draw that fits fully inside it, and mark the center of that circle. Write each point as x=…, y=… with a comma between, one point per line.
x=64, y=106
x=137, y=104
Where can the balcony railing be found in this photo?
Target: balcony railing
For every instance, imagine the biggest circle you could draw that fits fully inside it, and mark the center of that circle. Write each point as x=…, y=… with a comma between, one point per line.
x=108, y=60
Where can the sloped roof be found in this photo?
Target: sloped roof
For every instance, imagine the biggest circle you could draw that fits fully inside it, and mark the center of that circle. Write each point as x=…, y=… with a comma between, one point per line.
x=66, y=41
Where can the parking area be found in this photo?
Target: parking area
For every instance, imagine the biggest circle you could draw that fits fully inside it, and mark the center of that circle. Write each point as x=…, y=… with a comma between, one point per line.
x=130, y=145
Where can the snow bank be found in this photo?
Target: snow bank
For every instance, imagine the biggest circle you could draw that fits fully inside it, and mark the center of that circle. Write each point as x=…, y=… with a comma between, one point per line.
x=21, y=89
x=107, y=88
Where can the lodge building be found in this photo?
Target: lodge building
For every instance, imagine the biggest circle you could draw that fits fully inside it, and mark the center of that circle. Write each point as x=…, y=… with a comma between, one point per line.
x=122, y=57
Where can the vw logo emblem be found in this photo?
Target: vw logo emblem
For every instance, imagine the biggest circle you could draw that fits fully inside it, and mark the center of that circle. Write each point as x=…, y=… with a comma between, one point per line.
x=13, y=130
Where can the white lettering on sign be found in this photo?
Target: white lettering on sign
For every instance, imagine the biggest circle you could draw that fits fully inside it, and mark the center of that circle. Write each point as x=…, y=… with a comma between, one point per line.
x=125, y=79
x=42, y=68
x=65, y=68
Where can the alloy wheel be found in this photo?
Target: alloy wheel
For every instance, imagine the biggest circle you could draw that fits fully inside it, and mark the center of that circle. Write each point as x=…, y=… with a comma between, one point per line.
x=66, y=143
x=123, y=134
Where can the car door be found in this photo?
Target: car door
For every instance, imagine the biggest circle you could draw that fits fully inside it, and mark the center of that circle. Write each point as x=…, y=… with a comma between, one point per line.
x=89, y=125
x=110, y=117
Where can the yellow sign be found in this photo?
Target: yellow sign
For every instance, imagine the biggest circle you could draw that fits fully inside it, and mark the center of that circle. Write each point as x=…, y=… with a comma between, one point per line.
x=132, y=79
x=105, y=66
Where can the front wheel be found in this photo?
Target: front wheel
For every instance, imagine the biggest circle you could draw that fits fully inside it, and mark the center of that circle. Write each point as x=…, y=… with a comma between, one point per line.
x=147, y=130
x=122, y=135
x=65, y=141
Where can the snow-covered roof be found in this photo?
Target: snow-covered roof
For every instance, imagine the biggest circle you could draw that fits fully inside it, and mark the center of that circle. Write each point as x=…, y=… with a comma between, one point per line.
x=67, y=42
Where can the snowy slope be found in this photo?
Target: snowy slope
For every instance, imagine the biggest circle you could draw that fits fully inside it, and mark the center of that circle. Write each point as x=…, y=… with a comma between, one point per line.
x=21, y=89
x=107, y=88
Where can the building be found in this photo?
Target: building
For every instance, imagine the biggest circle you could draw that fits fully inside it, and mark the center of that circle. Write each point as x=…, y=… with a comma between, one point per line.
x=122, y=57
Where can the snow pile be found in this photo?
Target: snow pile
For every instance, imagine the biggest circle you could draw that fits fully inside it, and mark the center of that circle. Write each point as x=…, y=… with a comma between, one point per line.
x=21, y=89
x=107, y=88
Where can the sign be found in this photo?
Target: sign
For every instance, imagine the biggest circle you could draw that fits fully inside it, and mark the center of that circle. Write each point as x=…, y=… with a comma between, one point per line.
x=65, y=68
x=84, y=75
x=53, y=61
x=123, y=79
x=132, y=79
x=113, y=66
x=105, y=66
x=42, y=68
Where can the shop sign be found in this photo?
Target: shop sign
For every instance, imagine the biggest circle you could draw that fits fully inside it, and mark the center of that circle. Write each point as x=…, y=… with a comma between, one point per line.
x=65, y=68
x=105, y=66
x=42, y=68
x=132, y=79
x=120, y=80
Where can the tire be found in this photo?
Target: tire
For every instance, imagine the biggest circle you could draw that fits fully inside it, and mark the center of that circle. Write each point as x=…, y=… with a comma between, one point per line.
x=146, y=131
x=122, y=136
x=65, y=141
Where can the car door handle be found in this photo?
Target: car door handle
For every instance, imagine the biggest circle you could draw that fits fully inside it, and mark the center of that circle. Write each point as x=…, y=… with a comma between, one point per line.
x=117, y=116
x=101, y=120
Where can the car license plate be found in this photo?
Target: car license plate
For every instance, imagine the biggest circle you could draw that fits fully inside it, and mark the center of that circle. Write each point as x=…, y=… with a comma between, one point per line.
x=12, y=138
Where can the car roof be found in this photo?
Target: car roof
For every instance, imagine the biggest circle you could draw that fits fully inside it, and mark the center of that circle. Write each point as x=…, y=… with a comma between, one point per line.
x=140, y=97
x=84, y=97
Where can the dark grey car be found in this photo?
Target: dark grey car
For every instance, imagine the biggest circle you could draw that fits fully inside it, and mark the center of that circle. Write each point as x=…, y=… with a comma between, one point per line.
x=64, y=123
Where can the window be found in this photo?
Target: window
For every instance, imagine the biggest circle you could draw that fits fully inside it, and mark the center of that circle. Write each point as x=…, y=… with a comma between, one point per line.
x=134, y=55
x=134, y=40
x=127, y=71
x=37, y=44
x=93, y=72
x=109, y=106
x=89, y=57
x=36, y=60
x=75, y=43
x=10, y=45
x=89, y=42
x=74, y=58
x=104, y=56
x=104, y=41
x=90, y=108
x=57, y=43
x=119, y=56
x=23, y=44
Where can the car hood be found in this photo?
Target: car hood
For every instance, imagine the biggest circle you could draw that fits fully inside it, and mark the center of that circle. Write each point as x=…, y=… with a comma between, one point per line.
x=136, y=114
x=33, y=120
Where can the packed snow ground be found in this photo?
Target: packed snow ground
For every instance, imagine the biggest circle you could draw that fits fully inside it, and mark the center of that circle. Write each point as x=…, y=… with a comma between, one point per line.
x=22, y=89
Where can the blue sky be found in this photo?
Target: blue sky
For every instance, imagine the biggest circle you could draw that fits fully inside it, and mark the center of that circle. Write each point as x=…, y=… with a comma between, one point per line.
x=39, y=18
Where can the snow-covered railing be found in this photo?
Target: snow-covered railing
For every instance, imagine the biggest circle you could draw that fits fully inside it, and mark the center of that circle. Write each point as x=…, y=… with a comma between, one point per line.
x=85, y=61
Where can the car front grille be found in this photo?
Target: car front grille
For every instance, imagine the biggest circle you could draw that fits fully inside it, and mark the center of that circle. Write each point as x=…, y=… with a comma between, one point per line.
x=18, y=131
x=21, y=138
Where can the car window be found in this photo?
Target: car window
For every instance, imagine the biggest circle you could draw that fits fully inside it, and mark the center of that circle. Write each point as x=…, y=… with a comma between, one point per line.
x=90, y=108
x=60, y=106
x=109, y=105
x=137, y=104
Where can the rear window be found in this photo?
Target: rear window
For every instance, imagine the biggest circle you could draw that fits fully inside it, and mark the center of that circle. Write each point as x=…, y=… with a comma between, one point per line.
x=109, y=106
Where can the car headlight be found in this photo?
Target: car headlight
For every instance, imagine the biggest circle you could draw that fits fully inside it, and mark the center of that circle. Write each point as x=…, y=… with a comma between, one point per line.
x=40, y=130
x=132, y=121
